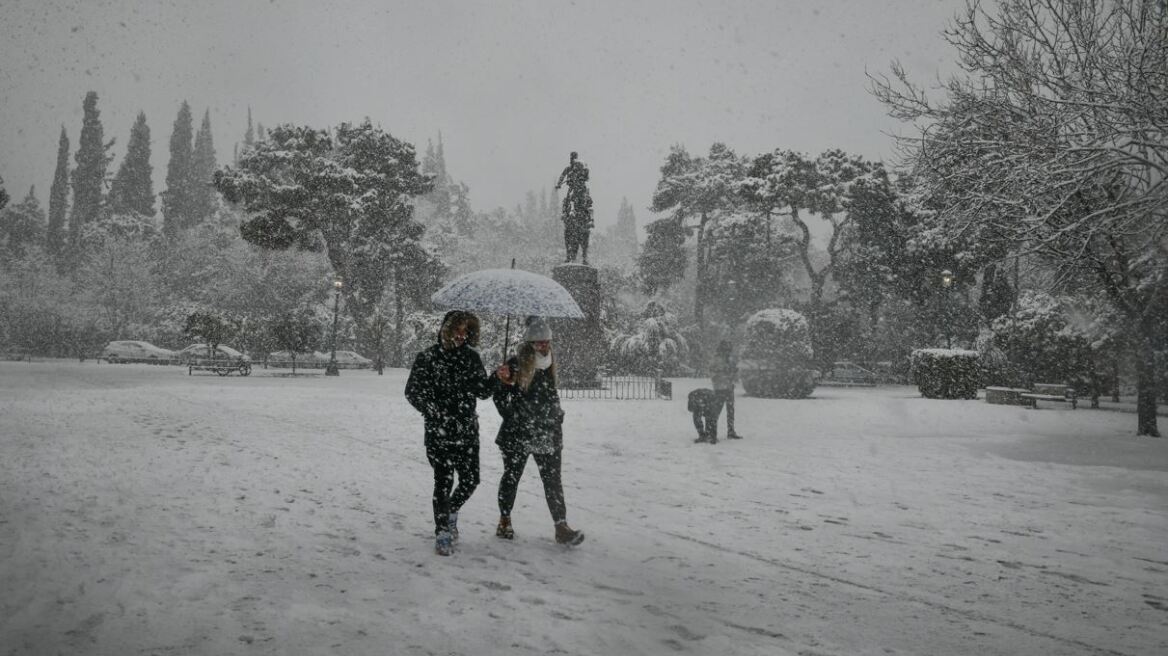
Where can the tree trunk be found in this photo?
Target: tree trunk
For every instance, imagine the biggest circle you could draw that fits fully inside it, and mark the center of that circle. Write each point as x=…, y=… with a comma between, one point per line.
x=701, y=273
x=1146, y=382
x=398, y=320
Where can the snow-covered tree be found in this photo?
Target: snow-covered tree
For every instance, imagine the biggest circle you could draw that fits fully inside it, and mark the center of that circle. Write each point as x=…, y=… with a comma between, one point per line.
x=89, y=177
x=1054, y=141
x=350, y=193
x=133, y=188
x=203, y=195
x=22, y=226
x=696, y=191
x=177, y=198
x=58, y=201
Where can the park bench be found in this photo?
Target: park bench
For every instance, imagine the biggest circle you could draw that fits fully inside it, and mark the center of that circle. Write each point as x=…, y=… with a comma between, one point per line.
x=1050, y=392
x=219, y=366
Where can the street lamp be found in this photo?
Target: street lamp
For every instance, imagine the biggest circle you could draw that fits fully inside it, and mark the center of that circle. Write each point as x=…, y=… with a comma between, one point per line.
x=947, y=282
x=331, y=369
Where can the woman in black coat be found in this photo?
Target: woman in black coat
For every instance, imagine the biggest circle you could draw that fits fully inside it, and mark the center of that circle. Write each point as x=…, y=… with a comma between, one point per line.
x=532, y=426
x=444, y=384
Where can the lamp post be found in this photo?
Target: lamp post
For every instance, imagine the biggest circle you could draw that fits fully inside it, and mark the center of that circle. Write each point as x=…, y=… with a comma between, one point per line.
x=331, y=369
x=946, y=283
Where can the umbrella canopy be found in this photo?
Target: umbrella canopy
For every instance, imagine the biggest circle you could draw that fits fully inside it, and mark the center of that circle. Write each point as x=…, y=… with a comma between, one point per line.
x=508, y=292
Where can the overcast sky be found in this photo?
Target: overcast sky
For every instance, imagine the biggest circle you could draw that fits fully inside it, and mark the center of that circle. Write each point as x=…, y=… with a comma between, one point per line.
x=511, y=86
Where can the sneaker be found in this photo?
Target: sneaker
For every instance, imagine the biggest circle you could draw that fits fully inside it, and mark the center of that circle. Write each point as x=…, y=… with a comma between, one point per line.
x=504, y=530
x=452, y=522
x=443, y=544
x=567, y=536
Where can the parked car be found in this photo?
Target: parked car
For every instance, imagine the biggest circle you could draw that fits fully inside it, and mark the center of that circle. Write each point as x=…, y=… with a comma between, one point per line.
x=203, y=352
x=350, y=360
x=128, y=350
x=283, y=359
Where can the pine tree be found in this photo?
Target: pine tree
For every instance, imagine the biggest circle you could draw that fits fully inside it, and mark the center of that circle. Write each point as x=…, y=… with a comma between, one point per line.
x=59, y=200
x=202, y=168
x=176, y=200
x=133, y=189
x=89, y=176
x=3, y=195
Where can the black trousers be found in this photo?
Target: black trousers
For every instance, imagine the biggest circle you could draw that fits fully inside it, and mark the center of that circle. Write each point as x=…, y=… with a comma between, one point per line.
x=724, y=396
x=448, y=460
x=549, y=465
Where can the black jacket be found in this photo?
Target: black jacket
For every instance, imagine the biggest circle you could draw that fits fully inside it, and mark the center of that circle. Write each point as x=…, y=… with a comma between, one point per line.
x=529, y=417
x=443, y=386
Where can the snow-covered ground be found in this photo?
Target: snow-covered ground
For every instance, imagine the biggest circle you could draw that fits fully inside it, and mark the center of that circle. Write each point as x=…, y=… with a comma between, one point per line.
x=145, y=511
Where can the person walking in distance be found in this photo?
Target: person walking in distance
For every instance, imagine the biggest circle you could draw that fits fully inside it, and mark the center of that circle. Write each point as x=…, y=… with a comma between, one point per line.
x=533, y=420
x=723, y=376
x=444, y=384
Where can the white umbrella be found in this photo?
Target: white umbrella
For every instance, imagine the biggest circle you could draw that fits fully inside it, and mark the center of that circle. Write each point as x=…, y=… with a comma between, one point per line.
x=508, y=292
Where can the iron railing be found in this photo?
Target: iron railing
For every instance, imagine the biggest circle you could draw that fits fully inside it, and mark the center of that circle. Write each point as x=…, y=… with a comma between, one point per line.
x=621, y=388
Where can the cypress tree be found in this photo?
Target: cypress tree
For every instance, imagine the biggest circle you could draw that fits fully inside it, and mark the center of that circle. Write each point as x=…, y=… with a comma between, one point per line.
x=59, y=200
x=133, y=190
x=176, y=200
x=202, y=168
x=89, y=175
x=249, y=135
x=3, y=194
x=626, y=228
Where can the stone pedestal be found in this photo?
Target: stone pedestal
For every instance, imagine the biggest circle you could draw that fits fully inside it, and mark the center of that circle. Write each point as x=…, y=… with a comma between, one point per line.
x=579, y=343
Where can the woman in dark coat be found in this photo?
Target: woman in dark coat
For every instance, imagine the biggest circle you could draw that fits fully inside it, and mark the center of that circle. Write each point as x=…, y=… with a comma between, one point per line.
x=532, y=426
x=444, y=385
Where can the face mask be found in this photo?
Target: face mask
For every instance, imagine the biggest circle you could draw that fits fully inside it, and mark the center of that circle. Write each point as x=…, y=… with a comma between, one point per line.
x=543, y=361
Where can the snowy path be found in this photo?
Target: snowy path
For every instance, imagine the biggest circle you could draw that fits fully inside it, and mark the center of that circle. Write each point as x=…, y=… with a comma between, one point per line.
x=143, y=511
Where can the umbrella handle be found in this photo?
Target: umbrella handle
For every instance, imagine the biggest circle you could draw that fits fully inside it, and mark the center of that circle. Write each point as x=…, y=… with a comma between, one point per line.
x=507, y=338
x=507, y=332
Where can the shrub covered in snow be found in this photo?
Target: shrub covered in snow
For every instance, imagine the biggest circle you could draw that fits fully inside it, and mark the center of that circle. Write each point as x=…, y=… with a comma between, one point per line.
x=654, y=344
x=777, y=358
x=946, y=373
x=1042, y=342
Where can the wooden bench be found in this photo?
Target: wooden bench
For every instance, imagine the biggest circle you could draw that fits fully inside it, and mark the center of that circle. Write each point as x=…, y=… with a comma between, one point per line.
x=1005, y=395
x=221, y=367
x=1050, y=392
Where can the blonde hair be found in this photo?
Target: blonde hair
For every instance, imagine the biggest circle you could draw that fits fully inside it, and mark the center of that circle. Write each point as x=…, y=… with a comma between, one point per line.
x=526, y=355
x=452, y=321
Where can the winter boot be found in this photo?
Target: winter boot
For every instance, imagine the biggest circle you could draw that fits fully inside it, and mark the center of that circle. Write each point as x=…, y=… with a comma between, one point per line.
x=443, y=544
x=453, y=524
x=733, y=436
x=566, y=535
x=504, y=530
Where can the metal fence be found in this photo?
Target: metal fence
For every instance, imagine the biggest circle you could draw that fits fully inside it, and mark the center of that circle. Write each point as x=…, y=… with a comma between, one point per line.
x=622, y=388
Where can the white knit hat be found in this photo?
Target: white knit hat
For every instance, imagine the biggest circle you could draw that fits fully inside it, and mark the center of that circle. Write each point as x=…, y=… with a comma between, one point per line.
x=537, y=330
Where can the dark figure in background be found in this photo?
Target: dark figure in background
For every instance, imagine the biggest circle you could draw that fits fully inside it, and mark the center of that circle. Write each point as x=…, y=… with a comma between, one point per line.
x=723, y=376
x=705, y=409
x=577, y=212
x=443, y=385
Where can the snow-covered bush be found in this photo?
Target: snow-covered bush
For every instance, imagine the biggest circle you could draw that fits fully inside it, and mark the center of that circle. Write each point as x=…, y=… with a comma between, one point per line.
x=654, y=345
x=1042, y=343
x=777, y=358
x=946, y=373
